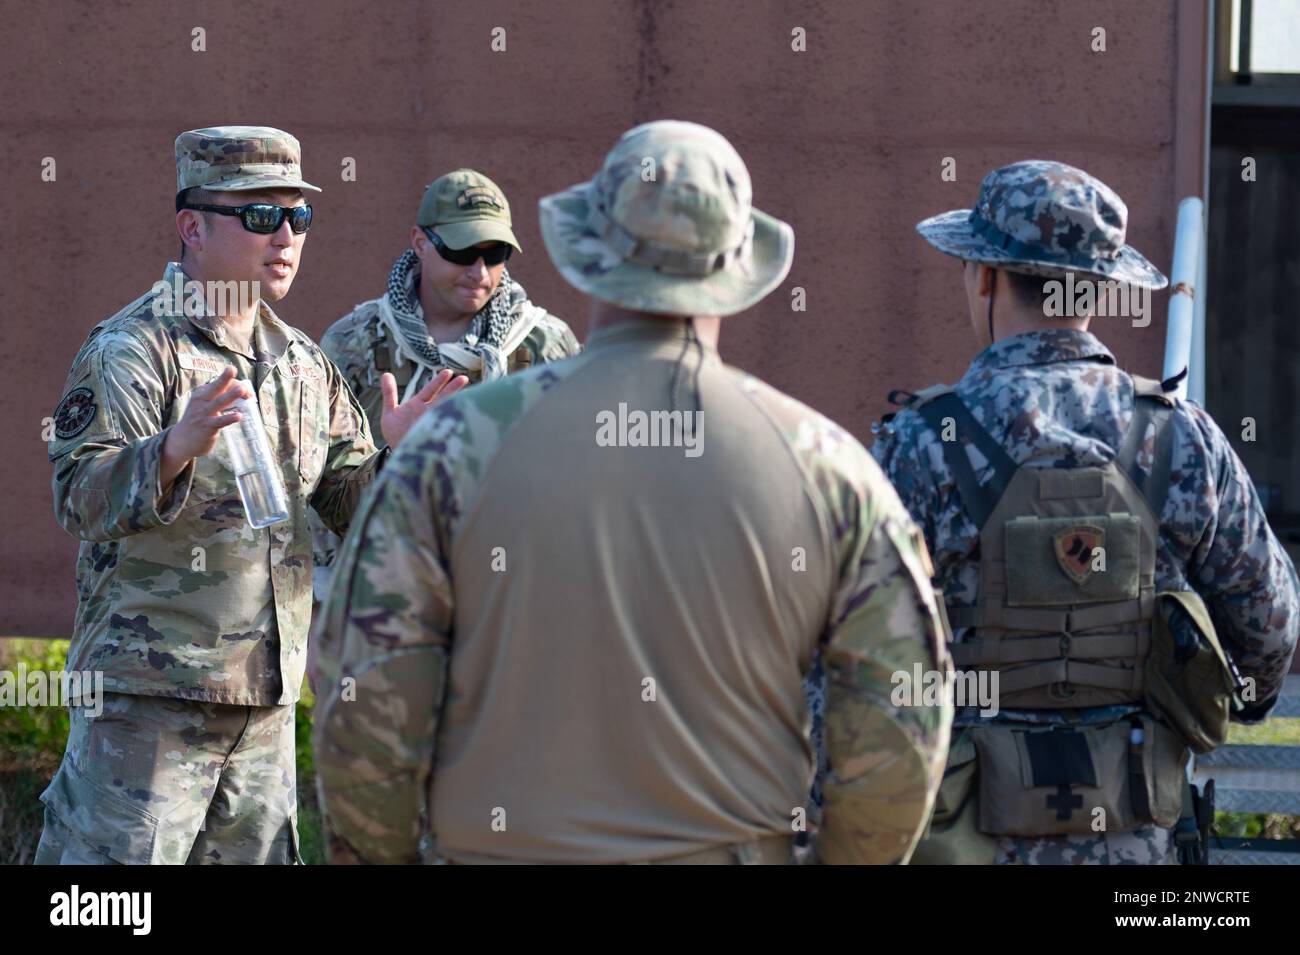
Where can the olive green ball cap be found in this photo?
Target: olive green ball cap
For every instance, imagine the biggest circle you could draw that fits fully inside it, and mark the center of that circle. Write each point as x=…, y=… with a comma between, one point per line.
x=466, y=207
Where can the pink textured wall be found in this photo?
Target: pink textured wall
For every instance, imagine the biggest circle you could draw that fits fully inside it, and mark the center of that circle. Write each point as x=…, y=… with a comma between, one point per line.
x=844, y=141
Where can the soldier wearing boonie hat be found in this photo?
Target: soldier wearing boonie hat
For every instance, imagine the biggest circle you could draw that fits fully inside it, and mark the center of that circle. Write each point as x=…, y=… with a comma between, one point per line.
x=1044, y=218
x=631, y=665
x=450, y=303
x=198, y=621
x=1075, y=552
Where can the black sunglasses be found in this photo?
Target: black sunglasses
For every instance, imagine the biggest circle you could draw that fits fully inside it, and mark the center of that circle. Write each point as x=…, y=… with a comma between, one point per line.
x=493, y=256
x=262, y=217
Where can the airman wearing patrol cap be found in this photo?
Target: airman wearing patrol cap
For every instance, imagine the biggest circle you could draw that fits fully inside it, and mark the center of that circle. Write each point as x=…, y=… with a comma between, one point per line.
x=197, y=620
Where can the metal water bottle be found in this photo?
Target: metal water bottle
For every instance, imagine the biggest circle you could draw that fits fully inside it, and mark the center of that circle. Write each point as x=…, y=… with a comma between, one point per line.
x=261, y=485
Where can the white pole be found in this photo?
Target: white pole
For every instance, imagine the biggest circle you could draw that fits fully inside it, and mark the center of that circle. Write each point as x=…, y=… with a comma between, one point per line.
x=1182, y=295
x=1196, y=379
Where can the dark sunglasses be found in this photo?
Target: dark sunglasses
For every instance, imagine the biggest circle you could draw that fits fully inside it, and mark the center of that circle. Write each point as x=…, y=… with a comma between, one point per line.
x=262, y=217
x=493, y=256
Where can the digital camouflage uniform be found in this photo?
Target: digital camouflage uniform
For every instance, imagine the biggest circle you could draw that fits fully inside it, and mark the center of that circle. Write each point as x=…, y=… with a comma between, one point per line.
x=1057, y=397
x=197, y=620
x=467, y=208
x=467, y=690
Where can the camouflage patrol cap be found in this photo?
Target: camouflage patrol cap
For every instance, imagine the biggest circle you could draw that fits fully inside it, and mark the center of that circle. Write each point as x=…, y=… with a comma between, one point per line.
x=467, y=208
x=667, y=226
x=238, y=159
x=1044, y=218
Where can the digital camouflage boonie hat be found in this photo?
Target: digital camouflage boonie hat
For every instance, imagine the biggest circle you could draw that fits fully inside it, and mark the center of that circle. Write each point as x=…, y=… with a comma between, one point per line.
x=1044, y=218
x=466, y=207
x=238, y=158
x=667, y=226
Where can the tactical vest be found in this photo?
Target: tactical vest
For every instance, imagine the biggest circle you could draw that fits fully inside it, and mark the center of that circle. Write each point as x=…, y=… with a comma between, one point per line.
x=1067, y=560
x=1069, y=618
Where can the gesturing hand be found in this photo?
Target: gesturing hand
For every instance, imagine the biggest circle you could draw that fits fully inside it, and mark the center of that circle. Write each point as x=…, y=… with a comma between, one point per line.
x=206, y=414
x=398, y=419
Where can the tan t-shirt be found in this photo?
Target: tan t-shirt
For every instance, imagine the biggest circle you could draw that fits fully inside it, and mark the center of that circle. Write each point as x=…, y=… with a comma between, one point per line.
x=591, y=649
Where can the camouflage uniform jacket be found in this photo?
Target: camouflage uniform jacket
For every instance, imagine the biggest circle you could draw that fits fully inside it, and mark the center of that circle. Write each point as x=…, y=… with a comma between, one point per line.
x=404, y=627
x=177, y=595
x=1056, y=396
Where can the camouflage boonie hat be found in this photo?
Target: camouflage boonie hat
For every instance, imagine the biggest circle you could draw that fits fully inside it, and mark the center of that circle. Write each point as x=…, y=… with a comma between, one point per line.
x=238, y=159
x=1044, y=218
x=667, y=226
x=467, y=208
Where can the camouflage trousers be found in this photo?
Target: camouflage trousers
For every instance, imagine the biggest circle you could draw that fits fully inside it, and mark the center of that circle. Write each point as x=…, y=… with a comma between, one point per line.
x=154, y=780
x=1153, y=846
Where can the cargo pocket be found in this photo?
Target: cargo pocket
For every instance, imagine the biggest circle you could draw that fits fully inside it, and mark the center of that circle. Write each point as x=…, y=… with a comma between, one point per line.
x=953, y=838
x=100, y=820
x=214, y=472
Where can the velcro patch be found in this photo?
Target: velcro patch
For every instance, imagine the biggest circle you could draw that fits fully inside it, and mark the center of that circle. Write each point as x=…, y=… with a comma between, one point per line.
x=477, y=196
x=74, y=413
x=1074, y=547
x=1060, y=757
x=201, y=363
x=304, y=370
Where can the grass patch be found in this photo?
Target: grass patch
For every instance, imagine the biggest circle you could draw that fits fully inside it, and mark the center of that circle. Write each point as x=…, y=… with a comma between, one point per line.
x=28, y=734
x=32, y=740
x=311, y=843
x=21, y=814
x=31, y=746
x=1273, y=732
x=1261, y=825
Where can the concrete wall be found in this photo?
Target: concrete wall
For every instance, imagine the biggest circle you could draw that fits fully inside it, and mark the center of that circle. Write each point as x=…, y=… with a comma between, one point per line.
x=844, y=141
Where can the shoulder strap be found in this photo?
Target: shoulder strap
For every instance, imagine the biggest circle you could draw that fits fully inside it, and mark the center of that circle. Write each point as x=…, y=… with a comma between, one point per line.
x=379, y=344
x=1151, y=388
x=940, y=402
x=1151, y=405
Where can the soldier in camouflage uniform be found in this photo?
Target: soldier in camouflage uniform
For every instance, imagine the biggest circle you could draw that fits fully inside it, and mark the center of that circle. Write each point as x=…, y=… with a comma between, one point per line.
x=1049, y=393
x=444, y=308
x=621, y=681
x=197, y=620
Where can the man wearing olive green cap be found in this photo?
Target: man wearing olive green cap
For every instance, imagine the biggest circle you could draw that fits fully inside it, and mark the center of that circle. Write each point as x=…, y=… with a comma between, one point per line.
x=450, y=304
x=196, y=620
x=580, y=605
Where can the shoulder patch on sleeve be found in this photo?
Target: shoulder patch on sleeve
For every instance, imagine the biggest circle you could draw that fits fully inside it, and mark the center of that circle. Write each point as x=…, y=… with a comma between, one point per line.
x=75, y=412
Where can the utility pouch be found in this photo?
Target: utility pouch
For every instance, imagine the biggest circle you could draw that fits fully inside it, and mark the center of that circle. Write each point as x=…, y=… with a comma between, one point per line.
x=1080, y=779
x=1188, y=680
x=953, y=837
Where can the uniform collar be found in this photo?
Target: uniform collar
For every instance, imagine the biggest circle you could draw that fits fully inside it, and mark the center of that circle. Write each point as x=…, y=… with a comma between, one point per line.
x=1041, y=348
x=270, y=335
x=651, y=332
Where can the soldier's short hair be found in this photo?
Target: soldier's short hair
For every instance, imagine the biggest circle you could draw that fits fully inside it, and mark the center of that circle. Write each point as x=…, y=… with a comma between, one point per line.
x=1033, y=290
